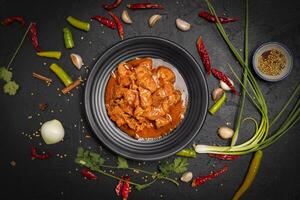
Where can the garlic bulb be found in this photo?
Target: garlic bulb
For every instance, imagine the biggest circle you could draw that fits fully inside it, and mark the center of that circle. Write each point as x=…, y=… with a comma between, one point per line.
x=224, y=86
x=76, y=60
x=125, y=17
x=217, y=93
x=225, y=132
x=182, y=25
x=186, y=177
x=52, y=131
x=154, y=19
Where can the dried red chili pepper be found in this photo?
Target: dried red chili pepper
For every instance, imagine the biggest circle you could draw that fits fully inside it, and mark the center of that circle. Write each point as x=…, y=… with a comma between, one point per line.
x=211, y=18
x=115, y=4
x=9, y=20
x=203, y=55
x=203, y=179
x=88, y=174
x=136, y=6
x=223, y=156
x=105, y=21
x=35, y=154
x=34, y=36
x=119, y=24
x=219, y=75
x=123, y=187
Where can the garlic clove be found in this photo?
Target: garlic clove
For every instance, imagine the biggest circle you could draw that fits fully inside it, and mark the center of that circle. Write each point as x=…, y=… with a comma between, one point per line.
x=182, y=25
x=225, y=132
x=186, y=177
x=125, y=17
x=224, y=86
x=154, y=19
x=76, y=60
x=217, y=93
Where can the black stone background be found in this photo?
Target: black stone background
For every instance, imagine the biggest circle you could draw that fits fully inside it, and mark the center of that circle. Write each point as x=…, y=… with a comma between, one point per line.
x=57, y=178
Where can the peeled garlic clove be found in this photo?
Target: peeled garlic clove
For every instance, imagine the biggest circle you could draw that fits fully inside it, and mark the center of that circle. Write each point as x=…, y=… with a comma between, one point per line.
x=186, y=177
x=52, y=131
x=217, y=93
x=153, y=20
x=225, y=132
x=224, y=86
x=182, y=25
x=125, y=17
x=76, y=60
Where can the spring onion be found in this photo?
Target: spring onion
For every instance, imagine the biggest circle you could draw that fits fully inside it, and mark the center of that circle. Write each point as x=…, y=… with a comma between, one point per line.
x=218, y=104
x=261, y=138
x=68, y=38
x=85, y=26
x=50, y=54
x=62, y=75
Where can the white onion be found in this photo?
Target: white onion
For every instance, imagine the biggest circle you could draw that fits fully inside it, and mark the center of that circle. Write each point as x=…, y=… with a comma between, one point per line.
x=52, y=131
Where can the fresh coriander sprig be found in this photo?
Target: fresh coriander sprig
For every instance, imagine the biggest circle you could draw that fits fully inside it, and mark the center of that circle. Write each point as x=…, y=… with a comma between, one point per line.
x=95, y=162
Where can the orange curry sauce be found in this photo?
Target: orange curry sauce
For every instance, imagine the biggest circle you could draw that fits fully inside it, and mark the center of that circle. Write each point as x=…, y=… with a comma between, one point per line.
x=142, y=100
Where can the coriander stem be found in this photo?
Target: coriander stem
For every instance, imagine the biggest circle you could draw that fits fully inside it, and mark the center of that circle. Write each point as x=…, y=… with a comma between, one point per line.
x=117, y=178
x=143, y=171
x=18, y=48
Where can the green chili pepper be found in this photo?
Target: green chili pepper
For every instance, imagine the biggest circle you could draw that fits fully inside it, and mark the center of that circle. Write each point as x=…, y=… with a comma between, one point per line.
x=78, y=24
x=49, y=54
x=69, y=43
x=61, y=74
x=218, y=104
x=187, y=153
x=253, y=169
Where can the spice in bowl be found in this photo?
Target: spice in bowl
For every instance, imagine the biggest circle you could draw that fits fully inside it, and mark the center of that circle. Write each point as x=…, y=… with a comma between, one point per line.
x=272, y=62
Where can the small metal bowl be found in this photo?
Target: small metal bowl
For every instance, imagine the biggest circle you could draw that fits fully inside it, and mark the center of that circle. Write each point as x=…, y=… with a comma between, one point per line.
x=117, y=140
x=268, y=46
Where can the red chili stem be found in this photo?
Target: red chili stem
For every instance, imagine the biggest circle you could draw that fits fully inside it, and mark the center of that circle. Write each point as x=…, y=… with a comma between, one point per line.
x=35, y=154
x=119, y=24
x=10, y=20
x=136, y=6
x=105, y=21
x=223, y=156
x=88, y=174
x=203, y=55
x=219, y=75
x=115, y=4
x=34, y=36
x=211, y=18
x=203, y=179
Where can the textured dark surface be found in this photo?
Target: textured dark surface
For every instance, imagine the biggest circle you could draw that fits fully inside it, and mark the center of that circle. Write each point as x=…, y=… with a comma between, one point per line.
x=57, y=178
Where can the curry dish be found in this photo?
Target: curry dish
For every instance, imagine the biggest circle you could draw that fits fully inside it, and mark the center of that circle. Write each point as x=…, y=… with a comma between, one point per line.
x=142, y=100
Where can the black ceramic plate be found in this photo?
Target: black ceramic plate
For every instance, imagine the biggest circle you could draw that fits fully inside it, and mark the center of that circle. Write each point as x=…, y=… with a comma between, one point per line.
x=110, y=134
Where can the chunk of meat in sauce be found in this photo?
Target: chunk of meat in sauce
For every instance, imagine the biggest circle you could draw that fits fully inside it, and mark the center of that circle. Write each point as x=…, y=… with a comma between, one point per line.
x=144, y=77
x=154, y=112
x=145, y=97
x=165, y=74
x=116, y=114
x=124, y=74
x=161, y=121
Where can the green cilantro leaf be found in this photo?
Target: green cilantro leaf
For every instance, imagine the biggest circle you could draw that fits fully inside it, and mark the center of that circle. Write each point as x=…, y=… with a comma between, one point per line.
x=5, y=74
x=89, y=159
x=179, y=165
x=11, y=87
x=122, y=163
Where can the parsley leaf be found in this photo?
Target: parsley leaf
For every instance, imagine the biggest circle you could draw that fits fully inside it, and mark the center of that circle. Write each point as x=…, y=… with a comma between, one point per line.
x=89, y=159
x=11, y=87
x=5, y=74
x=179, y=165
x=122, y=163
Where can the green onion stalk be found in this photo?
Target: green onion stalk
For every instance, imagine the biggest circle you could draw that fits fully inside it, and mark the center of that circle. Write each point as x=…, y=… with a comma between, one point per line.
x=261, y=138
